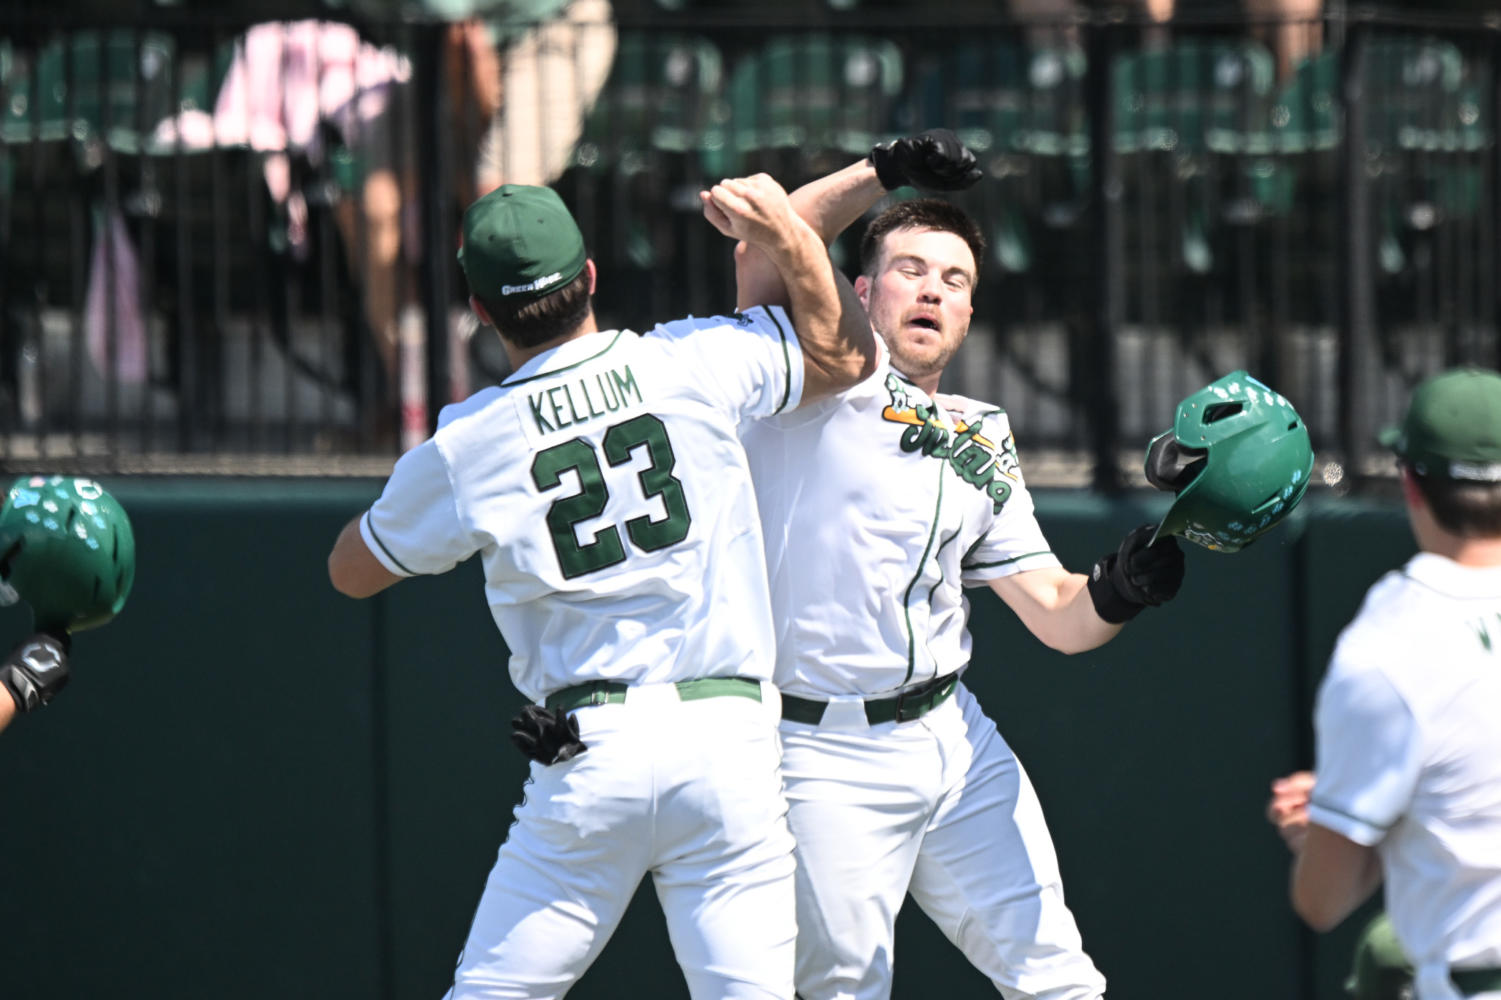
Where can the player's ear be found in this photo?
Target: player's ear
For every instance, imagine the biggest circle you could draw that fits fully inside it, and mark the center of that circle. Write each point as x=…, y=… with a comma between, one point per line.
x=862, y=289
x=1411, y=495
x=593, y=273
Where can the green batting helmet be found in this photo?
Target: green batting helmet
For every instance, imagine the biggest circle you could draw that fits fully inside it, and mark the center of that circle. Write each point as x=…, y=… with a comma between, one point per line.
x=1239, y=459
x=67, y=550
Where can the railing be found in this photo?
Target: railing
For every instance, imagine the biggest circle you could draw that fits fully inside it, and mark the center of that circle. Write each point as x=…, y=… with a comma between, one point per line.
x=1315, y=202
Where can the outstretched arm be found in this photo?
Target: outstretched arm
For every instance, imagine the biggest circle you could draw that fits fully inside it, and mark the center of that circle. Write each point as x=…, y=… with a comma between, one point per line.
x=838, y=347
x=1074, y=612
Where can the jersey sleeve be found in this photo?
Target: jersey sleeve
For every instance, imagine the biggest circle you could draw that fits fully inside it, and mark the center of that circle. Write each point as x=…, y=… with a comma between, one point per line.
x=1367, y=757
x=414, y=527
x=1013, y=541
x=752, y=363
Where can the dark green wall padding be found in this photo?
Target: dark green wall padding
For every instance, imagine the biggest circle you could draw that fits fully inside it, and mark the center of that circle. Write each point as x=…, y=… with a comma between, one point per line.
x=256, y=788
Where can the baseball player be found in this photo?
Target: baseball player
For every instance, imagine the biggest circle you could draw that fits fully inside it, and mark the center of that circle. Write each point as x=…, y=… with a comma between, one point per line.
x=605, y=488
x=896, y=780
x=67, y=550
x=1407, y=787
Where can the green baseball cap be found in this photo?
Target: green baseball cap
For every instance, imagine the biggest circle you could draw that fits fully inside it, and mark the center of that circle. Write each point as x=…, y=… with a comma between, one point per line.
x=1453, y=427
x=520, y=243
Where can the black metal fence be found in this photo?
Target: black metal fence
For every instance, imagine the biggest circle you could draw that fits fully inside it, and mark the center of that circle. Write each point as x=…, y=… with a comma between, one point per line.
x=187, y=289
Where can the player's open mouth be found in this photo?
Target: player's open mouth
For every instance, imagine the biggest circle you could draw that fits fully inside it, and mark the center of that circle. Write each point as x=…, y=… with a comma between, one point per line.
x=926, y=322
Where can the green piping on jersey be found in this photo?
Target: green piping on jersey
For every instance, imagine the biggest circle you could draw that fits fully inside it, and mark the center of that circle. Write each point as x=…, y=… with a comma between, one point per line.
x=1005, y=562
x=384, y=548
x=786, y=363
x=558, y=371
x=907, y=597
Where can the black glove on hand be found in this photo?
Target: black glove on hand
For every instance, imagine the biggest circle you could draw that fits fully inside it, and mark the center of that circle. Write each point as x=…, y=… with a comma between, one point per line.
x=1136, y=575
x=546, y=736
x=36, y=670
x=934, y=160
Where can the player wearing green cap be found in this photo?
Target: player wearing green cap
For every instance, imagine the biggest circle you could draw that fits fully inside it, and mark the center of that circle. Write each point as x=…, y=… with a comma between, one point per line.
x=605, y=489
x=1407, y=783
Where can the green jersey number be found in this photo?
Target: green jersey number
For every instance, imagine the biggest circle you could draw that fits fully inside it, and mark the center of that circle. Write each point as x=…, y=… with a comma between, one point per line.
x=656, y=480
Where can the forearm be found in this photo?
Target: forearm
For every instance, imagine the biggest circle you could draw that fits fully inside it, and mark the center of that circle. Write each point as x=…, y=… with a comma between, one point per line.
x=830, y=205
x=1055, y=606
x=1331, y=877
x=7, y=708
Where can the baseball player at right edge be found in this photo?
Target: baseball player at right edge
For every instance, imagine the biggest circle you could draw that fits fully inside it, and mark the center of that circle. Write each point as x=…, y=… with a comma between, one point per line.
x=879, y=506
x=1407, y=787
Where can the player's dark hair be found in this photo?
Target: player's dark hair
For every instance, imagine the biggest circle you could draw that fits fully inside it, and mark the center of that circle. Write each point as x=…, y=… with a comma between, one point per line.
x=1461, y=507
x=527, y=324
x=920, y=213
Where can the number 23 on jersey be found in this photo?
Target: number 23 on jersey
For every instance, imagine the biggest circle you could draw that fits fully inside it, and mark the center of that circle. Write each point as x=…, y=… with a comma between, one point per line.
x=569, y=512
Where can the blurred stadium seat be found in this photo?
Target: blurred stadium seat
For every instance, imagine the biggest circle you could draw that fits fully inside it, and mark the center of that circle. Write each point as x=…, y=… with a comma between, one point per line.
x=664, y=95
x=818, y=93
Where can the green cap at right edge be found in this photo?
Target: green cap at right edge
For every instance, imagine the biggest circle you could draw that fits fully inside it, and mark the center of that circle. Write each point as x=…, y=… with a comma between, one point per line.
x=1453, y=427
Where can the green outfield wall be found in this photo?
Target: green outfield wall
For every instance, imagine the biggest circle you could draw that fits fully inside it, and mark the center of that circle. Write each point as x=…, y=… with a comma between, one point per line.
x=256, y=788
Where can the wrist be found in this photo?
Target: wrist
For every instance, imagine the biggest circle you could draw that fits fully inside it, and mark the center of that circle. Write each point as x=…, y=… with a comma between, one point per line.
x=1109, y=603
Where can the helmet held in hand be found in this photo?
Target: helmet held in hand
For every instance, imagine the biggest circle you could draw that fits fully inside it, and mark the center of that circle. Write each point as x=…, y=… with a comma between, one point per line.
x=1239, y=459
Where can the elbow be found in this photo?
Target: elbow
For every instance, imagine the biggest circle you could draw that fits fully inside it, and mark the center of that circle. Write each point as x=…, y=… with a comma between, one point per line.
x=344, y=581
x=1319, y=911
x=1316, y=915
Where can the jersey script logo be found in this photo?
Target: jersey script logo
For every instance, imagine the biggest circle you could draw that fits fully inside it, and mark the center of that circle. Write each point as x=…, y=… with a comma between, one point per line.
x=976, y=459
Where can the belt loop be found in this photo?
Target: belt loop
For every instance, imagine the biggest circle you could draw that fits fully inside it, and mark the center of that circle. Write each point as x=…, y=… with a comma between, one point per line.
x=599, y=694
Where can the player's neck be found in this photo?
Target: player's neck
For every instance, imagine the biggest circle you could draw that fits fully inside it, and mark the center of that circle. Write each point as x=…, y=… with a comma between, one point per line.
x=1477, y=553
x=519, y=356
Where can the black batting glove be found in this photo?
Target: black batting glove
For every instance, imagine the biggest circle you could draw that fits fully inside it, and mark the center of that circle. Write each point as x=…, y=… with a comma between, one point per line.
x=546, y=736
x=36, y=670
x=934, y=160
x=1137, y=575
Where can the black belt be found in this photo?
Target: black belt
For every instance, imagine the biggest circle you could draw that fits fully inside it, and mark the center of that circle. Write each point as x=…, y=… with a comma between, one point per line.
x=1471, y=982
x=904, y=706
x=613, y=692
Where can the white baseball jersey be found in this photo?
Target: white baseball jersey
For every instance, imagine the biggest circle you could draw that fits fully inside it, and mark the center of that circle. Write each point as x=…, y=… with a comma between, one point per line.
x=879, y=506
x=1409, y=758
x=605, y=487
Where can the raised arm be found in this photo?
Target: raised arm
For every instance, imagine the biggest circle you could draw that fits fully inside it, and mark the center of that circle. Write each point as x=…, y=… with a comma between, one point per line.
x=837, y=343
x=934, y=160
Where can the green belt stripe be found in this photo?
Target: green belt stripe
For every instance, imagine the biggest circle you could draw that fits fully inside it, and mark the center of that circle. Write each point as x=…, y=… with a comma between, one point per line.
x=614, y=692
x=1471, y=982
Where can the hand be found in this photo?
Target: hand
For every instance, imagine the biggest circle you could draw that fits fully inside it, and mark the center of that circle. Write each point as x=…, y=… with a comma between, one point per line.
x=36, y=670
x=1287, y=810
x=1139, y=574
x=545, y=736
x=934, y=160
x=754, y=209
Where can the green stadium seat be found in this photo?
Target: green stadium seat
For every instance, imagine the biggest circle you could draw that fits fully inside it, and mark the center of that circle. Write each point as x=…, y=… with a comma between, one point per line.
x=1001, y=96
x=664, y=95
x=816, y=92
x=1192, y=96
x=115, y=87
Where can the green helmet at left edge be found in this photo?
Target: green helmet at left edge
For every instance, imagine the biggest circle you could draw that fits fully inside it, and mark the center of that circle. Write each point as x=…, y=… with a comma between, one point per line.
x=67, y=550
x=1239, y=459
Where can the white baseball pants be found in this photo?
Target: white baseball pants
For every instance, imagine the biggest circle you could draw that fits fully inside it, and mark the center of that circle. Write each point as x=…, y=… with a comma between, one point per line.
x=689, y=791
x=941, y=808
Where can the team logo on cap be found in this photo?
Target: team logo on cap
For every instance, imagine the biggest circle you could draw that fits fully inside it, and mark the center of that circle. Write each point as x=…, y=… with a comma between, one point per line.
x=532, y=286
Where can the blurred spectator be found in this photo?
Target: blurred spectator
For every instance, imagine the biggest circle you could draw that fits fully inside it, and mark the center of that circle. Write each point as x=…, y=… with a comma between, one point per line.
x=554, y=58
x=1291, y=28
x=290, y=88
